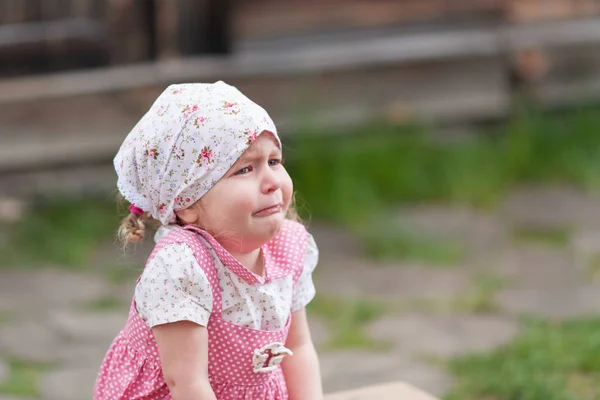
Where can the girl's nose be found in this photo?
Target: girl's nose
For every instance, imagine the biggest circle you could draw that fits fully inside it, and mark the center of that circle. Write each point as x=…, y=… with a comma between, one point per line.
x=270, y=181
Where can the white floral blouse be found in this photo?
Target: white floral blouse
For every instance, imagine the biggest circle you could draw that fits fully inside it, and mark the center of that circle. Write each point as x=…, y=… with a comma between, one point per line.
x=173, y=288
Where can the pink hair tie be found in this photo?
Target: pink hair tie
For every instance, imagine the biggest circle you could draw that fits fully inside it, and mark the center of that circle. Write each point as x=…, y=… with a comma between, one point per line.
x=135, y=210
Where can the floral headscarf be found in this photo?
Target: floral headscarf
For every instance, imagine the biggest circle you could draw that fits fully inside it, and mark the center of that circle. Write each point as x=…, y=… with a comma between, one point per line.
x=184, y=144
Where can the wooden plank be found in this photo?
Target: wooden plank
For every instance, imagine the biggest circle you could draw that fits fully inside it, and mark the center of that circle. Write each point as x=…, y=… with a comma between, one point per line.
x=279, y=61
x=127, y=29
x=167, y=20
x=40, y=47
x=304, y=59
x=558, y=33
x=44, y=134
x=192, y=27
x=556, y=64
x=391, y=391
x=440, y=91
x=535, y=10
x=12, y=12
x=55, y=9
x=567, y=75
x=281, y=18
x=87, y=178
x=83, y=9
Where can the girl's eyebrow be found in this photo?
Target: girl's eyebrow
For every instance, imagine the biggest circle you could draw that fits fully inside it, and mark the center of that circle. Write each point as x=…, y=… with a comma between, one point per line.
x=253, y=154
x=248, y=156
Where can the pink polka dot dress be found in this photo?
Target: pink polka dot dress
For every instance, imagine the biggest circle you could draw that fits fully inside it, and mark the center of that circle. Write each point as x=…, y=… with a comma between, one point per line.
x=244, y=363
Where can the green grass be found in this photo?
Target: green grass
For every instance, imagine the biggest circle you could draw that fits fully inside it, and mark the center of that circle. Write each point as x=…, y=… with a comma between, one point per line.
x=347, y=177
x=400, y=243
x=557, y=237
x=481, y=298
x=22, y=379
x=103, y=304
x=352, y=178
x=346, y=321
x=4, y=317
x=120, y=274
x=593, y=266
x=60, y=231
x=548, y=361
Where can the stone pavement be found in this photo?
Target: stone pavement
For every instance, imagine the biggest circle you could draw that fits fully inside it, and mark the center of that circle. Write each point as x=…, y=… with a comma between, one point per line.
x=63, y=321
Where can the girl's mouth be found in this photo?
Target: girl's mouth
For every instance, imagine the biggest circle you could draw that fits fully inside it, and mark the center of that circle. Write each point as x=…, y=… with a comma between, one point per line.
x=274, y=209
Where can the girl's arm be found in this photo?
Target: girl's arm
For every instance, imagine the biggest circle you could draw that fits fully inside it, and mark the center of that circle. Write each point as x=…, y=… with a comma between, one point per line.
x=183, y=351
x=301, y=370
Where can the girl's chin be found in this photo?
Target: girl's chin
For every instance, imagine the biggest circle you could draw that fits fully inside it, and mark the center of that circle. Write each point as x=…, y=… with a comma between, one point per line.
x=268, y=227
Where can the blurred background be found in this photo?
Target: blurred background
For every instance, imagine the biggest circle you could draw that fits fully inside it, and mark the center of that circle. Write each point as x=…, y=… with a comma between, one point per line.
x=446, y=155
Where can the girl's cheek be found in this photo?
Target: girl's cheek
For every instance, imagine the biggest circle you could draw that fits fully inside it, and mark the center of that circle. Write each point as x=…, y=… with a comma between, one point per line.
x=288, y=189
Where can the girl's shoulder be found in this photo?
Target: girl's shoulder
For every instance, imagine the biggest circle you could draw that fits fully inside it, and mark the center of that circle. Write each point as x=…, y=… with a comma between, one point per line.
x=169, y=236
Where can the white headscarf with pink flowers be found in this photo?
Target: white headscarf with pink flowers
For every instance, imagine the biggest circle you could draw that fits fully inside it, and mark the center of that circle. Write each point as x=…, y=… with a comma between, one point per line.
x=186, y=142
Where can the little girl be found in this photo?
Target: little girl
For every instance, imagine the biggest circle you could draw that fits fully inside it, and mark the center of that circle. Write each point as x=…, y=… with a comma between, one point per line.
x=218, y=312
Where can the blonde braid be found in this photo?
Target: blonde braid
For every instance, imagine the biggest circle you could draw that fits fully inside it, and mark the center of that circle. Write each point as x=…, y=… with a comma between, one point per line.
x=133, y=228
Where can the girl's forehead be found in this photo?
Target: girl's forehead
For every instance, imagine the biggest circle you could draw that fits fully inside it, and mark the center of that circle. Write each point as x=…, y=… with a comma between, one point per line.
x=264, y=142
x=270, y=136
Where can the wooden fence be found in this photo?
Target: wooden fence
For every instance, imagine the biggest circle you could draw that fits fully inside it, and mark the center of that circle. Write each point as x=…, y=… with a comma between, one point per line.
x=445, y=75
x=38, y=36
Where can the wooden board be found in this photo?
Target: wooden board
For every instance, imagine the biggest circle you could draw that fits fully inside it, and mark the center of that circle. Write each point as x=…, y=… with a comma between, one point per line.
x=447, y=77
x=278, y=61
x=261, y=18
x=543, y=10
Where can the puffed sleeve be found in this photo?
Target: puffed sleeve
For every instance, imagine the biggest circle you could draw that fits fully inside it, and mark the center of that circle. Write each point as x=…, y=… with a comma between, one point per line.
x=174, y=288
x=304, y=290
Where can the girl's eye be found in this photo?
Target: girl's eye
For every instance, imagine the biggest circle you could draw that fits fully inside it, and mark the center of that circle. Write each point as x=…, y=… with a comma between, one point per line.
x=275, y=161
x=243, y=171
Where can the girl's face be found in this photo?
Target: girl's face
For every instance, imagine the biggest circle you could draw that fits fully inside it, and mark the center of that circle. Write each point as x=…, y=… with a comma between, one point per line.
x=246, y=208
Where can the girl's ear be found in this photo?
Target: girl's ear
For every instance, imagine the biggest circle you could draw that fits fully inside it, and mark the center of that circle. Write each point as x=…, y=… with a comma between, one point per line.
x=189, y=216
